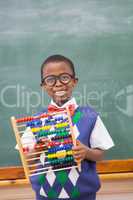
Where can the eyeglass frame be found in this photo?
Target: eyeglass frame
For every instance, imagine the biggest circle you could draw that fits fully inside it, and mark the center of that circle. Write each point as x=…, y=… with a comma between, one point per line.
x=57, y=78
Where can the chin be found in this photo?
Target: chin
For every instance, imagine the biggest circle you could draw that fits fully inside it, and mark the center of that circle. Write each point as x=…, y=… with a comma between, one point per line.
x=61, y=100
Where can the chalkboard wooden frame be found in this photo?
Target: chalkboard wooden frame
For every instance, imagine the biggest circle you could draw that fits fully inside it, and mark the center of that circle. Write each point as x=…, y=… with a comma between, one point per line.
x=110, y=167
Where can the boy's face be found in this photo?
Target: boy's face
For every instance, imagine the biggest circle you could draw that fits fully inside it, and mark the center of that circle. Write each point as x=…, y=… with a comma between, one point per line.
x=59, y=92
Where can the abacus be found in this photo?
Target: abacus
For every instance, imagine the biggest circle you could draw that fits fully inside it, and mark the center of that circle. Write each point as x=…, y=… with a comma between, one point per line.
x=53, y=140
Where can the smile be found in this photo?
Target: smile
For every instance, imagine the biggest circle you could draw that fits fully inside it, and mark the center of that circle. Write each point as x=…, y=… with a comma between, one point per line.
x=60, y=93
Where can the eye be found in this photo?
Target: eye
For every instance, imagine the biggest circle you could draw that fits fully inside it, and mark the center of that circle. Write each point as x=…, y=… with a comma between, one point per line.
x=65, y=78
x=50, y=80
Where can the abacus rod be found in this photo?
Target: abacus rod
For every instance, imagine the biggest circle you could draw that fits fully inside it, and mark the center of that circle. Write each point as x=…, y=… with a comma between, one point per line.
x=41, y=146
x=44, y=168
x=30, y=143
x=37, y=152
x=31, y=159
x=65, y=168
x=40, y=169
x=37, y=164
x=26, y=119
x=39, y=155
x=22, y=125
x=20, y=132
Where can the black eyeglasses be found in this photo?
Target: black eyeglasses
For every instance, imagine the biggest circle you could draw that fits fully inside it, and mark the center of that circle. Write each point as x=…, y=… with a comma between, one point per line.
x=64, y=78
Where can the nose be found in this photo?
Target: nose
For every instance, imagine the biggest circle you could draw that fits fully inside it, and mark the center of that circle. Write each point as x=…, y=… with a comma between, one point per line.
x=58, y=83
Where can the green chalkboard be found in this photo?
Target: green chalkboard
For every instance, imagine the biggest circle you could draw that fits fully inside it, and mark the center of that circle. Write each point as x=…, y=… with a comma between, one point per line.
x=96, y=35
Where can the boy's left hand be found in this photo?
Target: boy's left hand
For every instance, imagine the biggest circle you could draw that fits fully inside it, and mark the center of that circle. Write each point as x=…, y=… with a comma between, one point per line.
x=80, y=151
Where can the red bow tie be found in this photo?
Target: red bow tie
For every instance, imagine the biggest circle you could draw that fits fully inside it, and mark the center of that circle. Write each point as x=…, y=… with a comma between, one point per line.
x=52, y=108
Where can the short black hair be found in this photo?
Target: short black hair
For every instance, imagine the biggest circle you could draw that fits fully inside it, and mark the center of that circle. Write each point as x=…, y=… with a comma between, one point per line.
x=57, y=58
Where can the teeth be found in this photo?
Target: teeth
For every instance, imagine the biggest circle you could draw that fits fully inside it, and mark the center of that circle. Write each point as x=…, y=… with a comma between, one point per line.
x=60, y=93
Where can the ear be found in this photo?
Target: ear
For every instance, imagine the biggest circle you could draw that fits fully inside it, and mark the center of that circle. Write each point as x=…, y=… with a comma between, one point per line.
x=75, y=81
x=43, y=87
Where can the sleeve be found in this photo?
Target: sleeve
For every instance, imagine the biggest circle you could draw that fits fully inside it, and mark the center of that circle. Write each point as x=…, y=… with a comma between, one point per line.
x=100, y=138
x=27, y=139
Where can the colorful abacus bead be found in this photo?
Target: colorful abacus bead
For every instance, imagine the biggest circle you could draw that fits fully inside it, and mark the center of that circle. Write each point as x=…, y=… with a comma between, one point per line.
x=38, y=146
x=25, y=149
x=63, y=165
x=37, y=122
x=61, y=154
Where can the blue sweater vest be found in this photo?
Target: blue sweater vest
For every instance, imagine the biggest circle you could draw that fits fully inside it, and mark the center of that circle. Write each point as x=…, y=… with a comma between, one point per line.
x=67, y=184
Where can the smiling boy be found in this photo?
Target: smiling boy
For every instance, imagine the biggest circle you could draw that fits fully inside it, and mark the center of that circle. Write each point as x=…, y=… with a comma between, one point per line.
x=58, y=79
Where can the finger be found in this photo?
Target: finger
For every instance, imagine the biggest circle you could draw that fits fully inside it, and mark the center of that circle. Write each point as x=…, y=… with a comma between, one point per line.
x=78, y=142
x=78, y=147
x=75, y=148
x=78, y=158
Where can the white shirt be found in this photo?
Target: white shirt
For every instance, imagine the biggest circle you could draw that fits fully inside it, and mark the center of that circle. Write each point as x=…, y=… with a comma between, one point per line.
x=100, y=138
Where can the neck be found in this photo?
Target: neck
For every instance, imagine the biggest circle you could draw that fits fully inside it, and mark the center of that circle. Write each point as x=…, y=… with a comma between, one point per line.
x=62, y=102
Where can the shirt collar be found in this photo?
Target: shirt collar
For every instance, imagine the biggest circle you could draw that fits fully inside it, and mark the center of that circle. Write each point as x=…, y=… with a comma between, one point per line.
x=71, y=101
